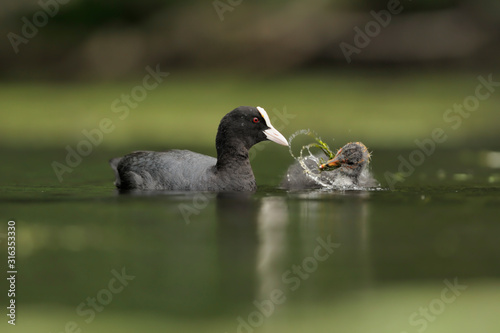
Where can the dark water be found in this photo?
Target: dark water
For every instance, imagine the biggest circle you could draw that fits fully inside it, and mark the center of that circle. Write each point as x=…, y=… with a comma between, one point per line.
x=421, y=257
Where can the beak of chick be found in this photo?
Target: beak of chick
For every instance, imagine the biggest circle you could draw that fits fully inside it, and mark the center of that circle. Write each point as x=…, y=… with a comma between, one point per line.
x=333, y=163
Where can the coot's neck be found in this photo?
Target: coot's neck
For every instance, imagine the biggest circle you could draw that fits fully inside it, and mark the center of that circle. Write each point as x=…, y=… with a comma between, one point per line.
x=232, y=155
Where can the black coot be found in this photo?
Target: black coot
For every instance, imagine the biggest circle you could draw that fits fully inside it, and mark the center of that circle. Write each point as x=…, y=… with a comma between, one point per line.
x=185, y=170
x=350, y=167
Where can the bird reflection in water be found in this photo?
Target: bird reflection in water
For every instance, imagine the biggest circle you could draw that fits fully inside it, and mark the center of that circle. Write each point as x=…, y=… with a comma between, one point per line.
x=265, y=244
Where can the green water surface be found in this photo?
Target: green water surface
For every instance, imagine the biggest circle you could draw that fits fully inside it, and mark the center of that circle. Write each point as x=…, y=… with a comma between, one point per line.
x=420, y=257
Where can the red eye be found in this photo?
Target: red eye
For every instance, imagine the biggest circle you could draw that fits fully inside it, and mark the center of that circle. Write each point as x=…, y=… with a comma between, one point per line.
x=255, y=120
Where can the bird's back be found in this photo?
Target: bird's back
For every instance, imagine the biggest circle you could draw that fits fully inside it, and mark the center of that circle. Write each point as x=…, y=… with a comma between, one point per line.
x=170, y=170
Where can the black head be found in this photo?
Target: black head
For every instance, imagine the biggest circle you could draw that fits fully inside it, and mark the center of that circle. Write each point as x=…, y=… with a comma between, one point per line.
x=349, y=160
x=245, y=126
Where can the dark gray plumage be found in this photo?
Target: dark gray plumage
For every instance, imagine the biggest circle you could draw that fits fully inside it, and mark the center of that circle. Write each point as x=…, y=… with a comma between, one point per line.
x=184, y=170
x=351, y=165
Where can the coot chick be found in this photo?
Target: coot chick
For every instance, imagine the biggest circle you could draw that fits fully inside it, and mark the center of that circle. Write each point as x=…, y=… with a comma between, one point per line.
x=184, y=170
x=349, y=167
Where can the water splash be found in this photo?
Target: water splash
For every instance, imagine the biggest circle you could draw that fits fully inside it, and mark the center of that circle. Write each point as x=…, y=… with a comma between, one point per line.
x=312, y=170
x=312, y=173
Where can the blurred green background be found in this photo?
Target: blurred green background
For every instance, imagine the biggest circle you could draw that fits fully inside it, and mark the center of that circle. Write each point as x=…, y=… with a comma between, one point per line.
x=62, y=74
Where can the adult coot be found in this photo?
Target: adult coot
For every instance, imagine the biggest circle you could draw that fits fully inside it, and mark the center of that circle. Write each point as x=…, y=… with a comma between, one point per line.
x=349, y=167
x=185, y=170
